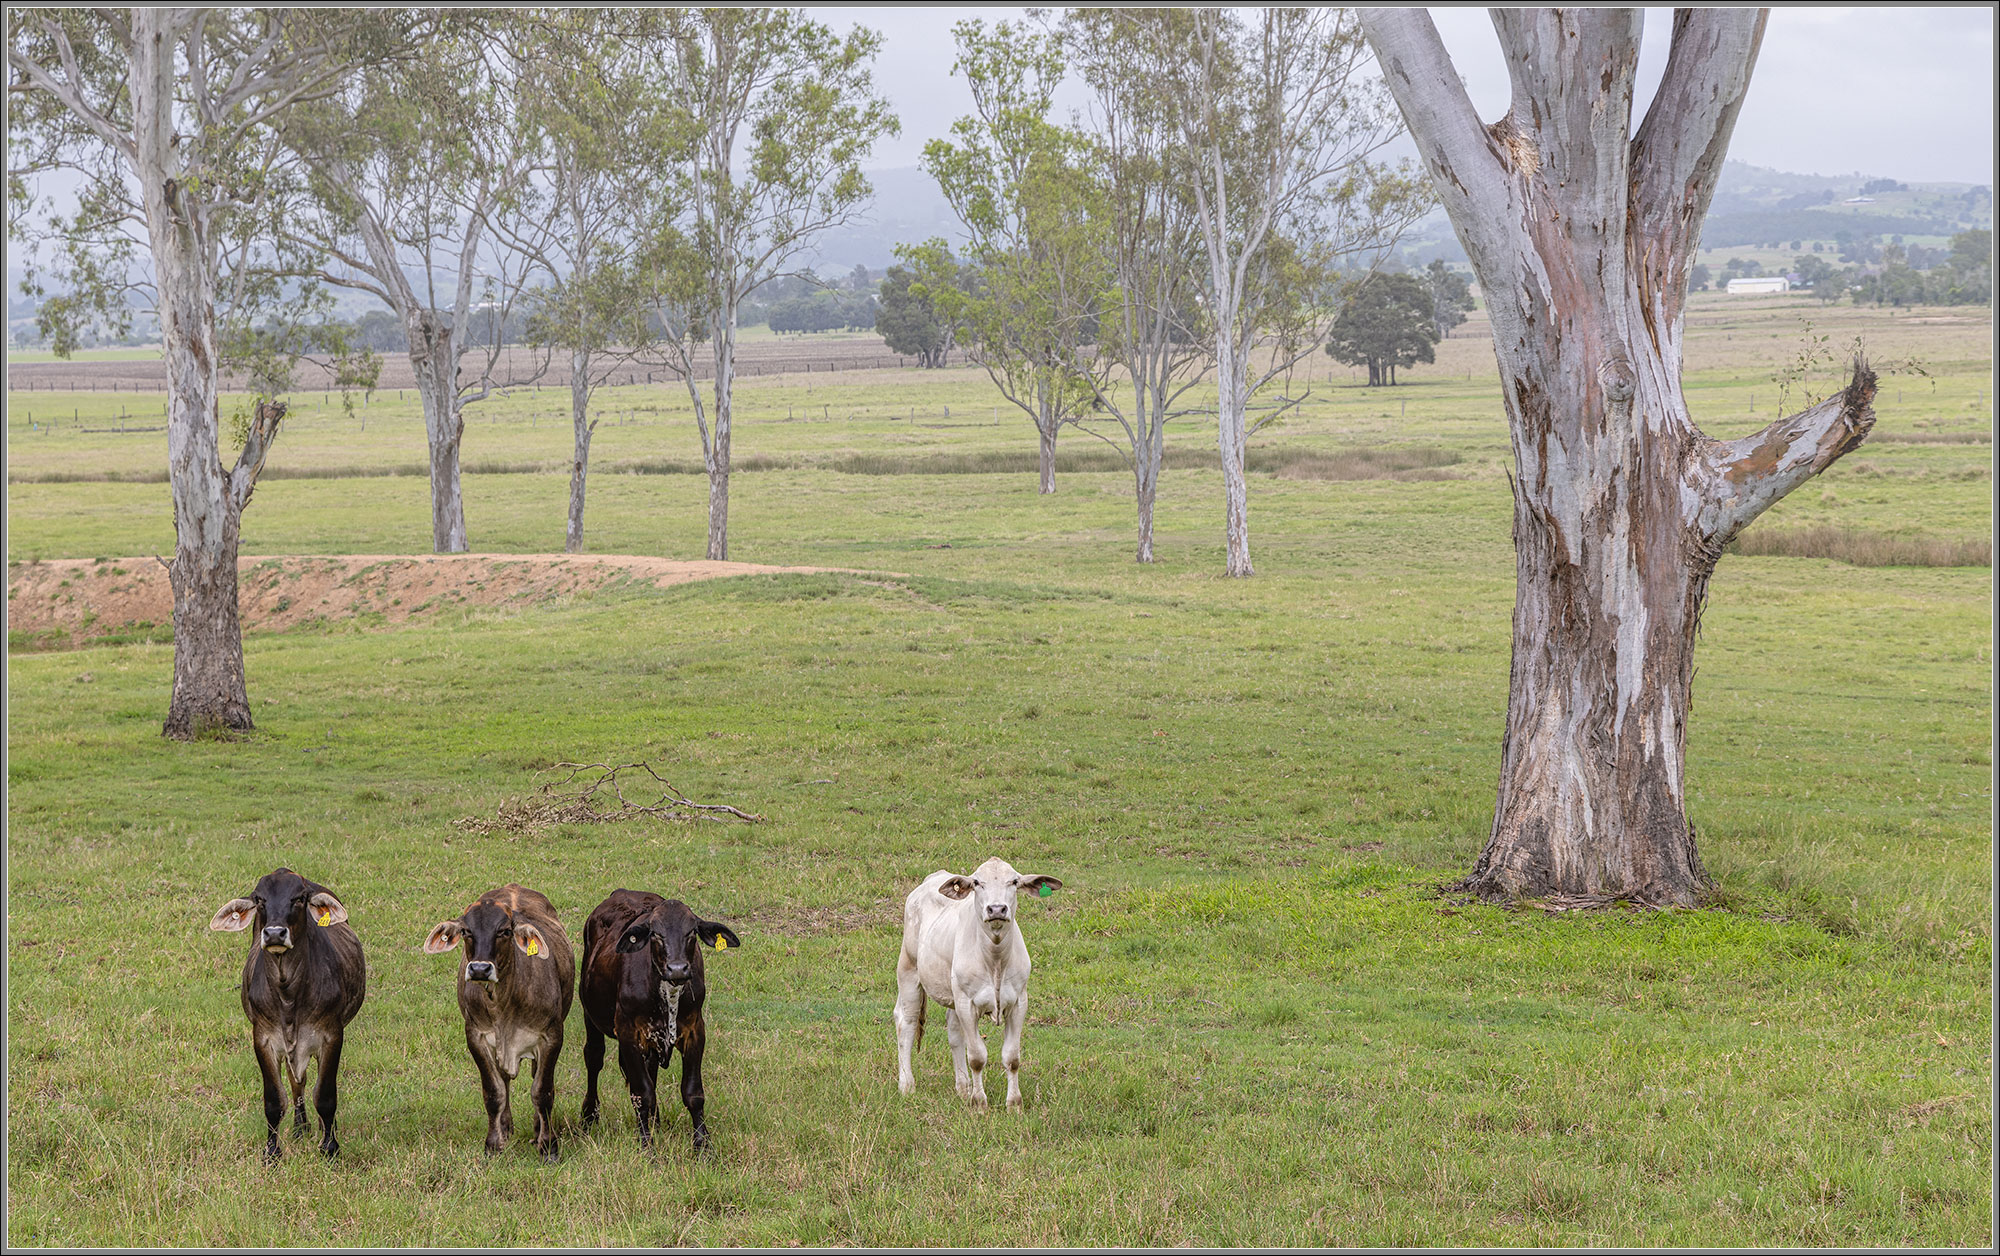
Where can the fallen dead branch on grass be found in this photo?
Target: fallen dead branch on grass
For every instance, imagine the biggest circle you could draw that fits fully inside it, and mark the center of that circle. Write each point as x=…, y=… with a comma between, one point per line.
x=579, y=798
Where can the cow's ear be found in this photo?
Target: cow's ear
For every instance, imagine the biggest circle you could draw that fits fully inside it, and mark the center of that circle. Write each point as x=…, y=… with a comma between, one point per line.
x=1040, y=887
x=443, y=936
x=235, y=916
x=634, y=938
x=530, y=940
x=326, y=909
x=721, y=937
x=955, y=887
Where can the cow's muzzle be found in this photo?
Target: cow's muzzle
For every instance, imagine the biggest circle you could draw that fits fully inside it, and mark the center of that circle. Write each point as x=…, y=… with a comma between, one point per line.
x=678, y=974
x=480, y=970
x=277, y=939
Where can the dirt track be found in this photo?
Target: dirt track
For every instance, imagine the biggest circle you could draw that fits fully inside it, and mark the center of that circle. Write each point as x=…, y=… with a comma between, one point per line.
x=85, y=599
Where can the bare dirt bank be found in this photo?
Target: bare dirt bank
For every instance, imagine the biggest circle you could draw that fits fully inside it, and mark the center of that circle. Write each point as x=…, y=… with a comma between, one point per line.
x=74, y=601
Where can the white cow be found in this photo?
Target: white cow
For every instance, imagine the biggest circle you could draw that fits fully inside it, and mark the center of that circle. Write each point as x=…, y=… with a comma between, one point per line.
x=963, y=947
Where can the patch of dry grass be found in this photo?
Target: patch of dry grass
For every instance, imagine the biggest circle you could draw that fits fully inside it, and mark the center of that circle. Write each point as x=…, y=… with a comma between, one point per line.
x=1863, y=548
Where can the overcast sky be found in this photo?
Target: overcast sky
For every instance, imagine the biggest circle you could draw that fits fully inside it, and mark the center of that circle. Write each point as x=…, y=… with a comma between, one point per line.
x=1901, y=93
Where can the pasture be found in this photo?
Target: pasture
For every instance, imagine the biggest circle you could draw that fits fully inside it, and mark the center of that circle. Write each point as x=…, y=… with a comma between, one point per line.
x=1254, y=1017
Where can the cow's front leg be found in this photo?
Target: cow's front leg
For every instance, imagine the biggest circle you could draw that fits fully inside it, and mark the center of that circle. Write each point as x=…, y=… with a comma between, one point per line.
x=974, y=1047
x=493, y=1089
x=1010, y=1047
x=326, y=1095
x=692, y=1095
x=641, y=1076
x=909, y=1023
x=545, y=1097
x=954, y=1033
x=271, y=1065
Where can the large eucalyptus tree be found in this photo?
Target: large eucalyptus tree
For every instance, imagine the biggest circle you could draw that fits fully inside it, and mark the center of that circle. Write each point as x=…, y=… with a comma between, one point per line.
x=168, y=114
x=1582, y=230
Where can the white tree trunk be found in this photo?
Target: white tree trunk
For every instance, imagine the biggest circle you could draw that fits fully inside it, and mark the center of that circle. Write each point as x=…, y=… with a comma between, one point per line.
x=1582, y=241
x=208, y=685
x=434, y=362
x=1231, y=440
x=583, y=427
x=716, y=455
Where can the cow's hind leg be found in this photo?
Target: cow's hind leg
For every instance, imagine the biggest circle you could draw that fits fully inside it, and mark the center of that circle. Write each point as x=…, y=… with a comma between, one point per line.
x=326, y=1097
x=593, y=1060
x=909, y=1023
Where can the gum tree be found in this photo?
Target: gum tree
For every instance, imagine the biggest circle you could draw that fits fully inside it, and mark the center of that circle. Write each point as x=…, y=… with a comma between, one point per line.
x=1582, y=231
x=1278, y=115
x=406, y=169
x=783, y=111
x=1150, y=326
x=168, y=114
x=1021, y=188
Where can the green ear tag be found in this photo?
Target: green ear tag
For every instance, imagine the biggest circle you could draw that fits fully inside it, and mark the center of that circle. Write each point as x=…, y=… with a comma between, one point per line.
x=1044, y=890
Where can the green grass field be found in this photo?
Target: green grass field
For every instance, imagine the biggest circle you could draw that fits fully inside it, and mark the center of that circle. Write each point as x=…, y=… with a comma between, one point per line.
x=1253, y=1019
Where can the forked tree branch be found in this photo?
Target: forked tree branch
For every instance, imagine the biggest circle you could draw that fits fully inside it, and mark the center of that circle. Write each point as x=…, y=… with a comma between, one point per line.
x=1678, y=152
x=1741, y=479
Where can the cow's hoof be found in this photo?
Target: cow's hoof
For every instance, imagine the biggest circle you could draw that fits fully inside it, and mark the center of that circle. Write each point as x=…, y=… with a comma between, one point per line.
x=701, y=1138
x=330, y=1148
x=549, y=1151
x=271, y=1153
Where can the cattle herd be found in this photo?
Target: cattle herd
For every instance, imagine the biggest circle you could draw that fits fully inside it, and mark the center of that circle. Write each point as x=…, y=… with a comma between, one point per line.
x=642, y=984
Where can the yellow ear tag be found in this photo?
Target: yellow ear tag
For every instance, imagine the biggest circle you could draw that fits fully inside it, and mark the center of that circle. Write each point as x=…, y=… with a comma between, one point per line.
x=721, y=943
x=325, y=917
x=534, y=946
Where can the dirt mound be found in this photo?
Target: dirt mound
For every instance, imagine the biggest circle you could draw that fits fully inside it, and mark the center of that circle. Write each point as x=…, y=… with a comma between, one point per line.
x=76, y=601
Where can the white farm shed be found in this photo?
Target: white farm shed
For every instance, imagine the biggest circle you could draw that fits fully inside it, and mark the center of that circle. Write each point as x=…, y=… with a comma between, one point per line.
x=1750, y=287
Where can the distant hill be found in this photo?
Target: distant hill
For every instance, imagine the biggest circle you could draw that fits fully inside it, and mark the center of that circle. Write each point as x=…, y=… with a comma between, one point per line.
x=1756, y=205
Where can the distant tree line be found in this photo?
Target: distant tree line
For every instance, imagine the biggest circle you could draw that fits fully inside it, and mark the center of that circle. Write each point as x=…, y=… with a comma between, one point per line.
x=1893, y=274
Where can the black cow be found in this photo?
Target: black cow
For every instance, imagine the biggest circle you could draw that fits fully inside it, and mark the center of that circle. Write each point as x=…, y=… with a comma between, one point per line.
x=302, y=983
x=643, y=985
x=514, y=990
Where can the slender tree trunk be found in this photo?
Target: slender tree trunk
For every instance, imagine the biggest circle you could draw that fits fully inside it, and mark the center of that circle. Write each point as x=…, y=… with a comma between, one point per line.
x=1148, y=452
x=1231, y=439
x=584, y=427
x=1582, y=240
x=435, y=366
x=717, y=455
x=1046, y=427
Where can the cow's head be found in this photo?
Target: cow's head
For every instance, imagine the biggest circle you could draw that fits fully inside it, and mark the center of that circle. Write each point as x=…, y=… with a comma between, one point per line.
x=674, y=938
x=491, y=935
x=994, y=887
x=284, y=905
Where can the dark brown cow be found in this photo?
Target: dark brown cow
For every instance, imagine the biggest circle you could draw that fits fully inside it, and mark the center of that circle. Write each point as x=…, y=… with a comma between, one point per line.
x=643, y=985
x=514, y=991
x=302, y=983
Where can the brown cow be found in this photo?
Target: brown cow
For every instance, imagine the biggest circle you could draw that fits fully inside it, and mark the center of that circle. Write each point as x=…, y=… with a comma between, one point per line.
x=643, y=985
x=514, y=1004
x=302, y=983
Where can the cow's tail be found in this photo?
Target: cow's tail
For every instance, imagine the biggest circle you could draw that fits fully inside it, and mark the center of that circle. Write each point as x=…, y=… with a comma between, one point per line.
x=917, y=1040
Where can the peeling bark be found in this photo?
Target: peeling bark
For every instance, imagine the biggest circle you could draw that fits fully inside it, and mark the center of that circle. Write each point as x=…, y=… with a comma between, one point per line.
x=1582, y=241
